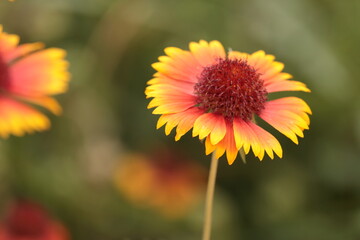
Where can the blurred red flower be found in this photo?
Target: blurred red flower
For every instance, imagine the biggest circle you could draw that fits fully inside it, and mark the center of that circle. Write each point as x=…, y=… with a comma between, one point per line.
x=29, y=221
x=164, y=181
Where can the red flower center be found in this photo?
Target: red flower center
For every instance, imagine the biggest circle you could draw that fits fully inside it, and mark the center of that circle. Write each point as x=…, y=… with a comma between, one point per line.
x=231, y=88
x=4, y=75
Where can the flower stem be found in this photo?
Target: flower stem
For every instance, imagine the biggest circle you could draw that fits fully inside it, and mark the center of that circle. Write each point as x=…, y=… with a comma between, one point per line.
x=210, y=197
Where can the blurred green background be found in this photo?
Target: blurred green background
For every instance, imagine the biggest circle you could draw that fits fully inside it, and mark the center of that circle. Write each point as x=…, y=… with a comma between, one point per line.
x=312, y=193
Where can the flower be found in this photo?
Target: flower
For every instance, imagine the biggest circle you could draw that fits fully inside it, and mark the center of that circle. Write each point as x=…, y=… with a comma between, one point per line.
x=29, y=74
x=27, y=220
x=218, y=94
x=163, y=181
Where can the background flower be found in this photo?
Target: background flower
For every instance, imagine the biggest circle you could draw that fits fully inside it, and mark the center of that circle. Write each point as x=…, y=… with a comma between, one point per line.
x=28, y=74
x=164, y=180
x=27, y=220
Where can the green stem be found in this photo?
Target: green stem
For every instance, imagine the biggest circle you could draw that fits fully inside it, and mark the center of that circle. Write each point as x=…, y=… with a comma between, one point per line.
x=210, y=197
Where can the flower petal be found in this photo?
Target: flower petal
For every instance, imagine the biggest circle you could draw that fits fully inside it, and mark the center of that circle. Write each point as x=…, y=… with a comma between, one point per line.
x=235, y=55
x=8, y=42
x=227, y=144
x=184, y=61
x=161, y=86
x=286, y=86
x=187, y=122
x=207, y=53
x=169, y=99
x=174, y=107
x=21, y=51
x=249, y=134
x=271, y=73
x=287, y=115
x=49, y=103
x=179, y=65
x=209, y=148
x=41, y=73
x=18, y=119
x=212, y=124
x=183, y=120
x=173, y=71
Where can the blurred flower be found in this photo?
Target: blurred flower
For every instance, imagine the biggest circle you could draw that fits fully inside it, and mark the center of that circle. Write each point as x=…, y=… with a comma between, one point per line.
x=164, y=181
x=28, y=221
x=29, y=74
x=218, y=96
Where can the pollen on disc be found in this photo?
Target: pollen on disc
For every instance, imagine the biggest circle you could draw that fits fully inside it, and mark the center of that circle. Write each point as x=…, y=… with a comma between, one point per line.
x=231, y=88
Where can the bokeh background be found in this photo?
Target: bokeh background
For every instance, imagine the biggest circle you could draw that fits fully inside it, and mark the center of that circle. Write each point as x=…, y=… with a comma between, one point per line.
x=71, y=170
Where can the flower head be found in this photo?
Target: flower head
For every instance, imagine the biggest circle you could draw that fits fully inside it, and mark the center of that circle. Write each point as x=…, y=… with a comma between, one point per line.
x=218, y=95
x=29, y=74
x=163, y=181
x=27, y=220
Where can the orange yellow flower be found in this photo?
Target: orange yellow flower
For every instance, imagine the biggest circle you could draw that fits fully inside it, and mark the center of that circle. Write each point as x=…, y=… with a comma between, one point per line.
x=218, y=94
x=163, y=181
x=27, y=220
x=29, y=74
